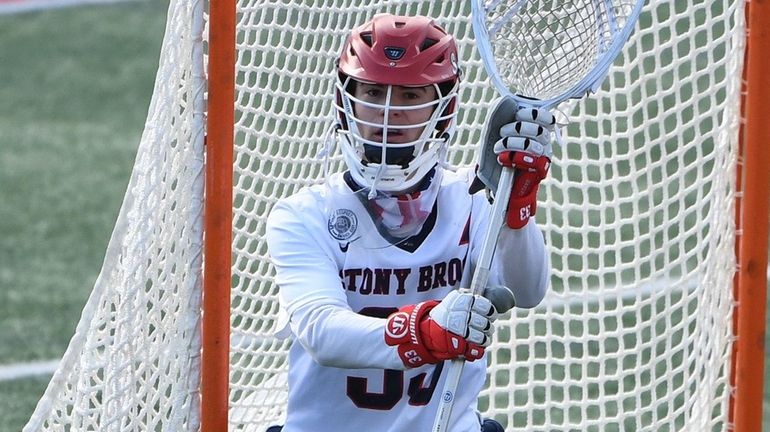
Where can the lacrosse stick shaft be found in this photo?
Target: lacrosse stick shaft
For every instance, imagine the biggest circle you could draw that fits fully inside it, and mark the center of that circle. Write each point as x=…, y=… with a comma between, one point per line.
x=478, y=283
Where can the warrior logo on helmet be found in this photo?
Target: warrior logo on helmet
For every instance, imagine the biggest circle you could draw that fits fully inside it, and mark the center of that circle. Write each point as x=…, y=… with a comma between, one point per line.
x=394, y=53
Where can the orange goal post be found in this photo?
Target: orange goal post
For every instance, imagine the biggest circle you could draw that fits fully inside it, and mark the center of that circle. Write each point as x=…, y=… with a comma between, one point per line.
x=655, y=214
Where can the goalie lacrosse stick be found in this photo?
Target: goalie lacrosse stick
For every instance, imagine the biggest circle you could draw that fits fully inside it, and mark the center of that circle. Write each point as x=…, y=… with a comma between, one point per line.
x=538, y=54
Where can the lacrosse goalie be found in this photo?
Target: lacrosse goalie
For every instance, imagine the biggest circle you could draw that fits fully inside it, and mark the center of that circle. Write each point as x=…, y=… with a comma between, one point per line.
x=370, y=264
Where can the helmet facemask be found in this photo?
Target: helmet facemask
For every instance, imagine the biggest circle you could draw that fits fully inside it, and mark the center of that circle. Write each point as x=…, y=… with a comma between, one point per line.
x=407, y=127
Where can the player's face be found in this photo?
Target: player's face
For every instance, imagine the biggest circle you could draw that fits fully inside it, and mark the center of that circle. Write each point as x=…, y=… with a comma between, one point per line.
x=398, y=114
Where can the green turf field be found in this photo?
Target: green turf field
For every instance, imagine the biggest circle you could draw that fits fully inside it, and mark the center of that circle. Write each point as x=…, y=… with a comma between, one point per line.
x=76, y=87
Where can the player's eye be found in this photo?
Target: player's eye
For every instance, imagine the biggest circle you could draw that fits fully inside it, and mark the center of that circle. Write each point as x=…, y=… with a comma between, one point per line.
x=413, y=97
x=374, y=92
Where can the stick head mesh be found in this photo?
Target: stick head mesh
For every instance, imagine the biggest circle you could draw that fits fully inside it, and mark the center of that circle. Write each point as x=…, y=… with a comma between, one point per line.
x=551, y=50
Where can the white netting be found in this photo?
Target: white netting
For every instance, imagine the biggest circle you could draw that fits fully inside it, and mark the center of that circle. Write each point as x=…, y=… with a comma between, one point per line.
x=638, y=212
x=635, y=332
x=133, y=363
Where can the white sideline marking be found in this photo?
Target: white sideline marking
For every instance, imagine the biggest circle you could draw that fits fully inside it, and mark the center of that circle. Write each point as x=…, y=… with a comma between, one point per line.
x=8, y=7
x=25, y=370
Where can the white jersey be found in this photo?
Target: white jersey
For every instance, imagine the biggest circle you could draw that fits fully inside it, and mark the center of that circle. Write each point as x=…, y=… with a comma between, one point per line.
x=336, y=292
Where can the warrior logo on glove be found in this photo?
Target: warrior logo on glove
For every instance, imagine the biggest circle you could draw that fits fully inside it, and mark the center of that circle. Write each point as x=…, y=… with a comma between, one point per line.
x=397, y=325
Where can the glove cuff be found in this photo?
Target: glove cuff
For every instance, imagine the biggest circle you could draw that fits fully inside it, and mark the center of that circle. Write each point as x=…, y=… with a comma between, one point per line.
x=521, y=208
x=530, y=171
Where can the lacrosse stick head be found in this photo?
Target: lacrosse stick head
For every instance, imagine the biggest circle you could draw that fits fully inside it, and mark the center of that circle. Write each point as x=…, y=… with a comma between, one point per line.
x=548, y=50
x=539, y=53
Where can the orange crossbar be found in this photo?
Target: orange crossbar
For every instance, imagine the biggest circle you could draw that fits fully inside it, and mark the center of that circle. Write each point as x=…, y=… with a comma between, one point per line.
x=751, y=286
x=215, y=360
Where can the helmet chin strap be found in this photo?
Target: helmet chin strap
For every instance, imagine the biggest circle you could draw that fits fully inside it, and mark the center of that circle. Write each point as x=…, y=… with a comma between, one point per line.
x=330, y=138
x=377, y=176
x=442, y=154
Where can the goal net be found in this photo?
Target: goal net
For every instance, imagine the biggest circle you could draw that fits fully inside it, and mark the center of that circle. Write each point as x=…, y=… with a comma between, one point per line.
x=638, y=215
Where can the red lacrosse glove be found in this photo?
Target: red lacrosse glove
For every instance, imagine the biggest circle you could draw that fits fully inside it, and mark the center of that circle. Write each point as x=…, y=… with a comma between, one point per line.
x=421, y=331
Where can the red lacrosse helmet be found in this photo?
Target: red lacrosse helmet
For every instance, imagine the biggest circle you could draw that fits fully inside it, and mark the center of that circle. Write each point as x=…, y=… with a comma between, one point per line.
x=396, y=52
x=400, y=50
